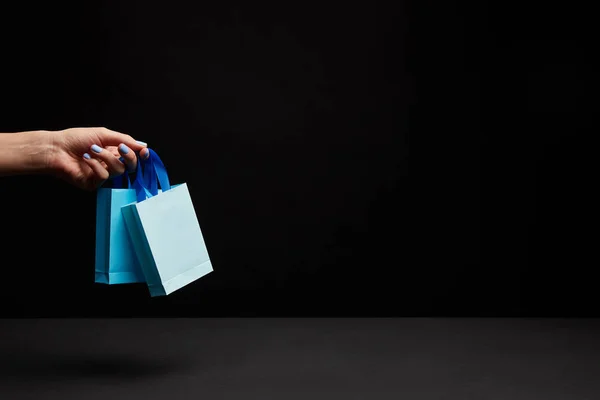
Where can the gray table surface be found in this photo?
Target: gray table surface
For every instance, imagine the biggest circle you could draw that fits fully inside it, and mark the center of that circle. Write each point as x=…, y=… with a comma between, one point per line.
x=300, y=359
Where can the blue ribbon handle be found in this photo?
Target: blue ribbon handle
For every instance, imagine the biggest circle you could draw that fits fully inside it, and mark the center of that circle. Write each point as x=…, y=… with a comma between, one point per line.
x=117, y=181
x=153, y=173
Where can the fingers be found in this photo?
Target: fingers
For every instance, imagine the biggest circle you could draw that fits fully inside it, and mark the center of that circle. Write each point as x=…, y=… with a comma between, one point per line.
x=113, y=165
x=113, y=138
x=101, y=173
x=117, y=159
x=128, y=157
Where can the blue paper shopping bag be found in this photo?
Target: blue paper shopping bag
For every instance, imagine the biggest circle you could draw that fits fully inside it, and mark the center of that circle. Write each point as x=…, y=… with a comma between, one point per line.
x=116, y=262
x=165, y=232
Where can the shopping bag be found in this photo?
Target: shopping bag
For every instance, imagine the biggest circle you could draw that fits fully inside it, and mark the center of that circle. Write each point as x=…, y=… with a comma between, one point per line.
x=165, y=232
x=116, y=262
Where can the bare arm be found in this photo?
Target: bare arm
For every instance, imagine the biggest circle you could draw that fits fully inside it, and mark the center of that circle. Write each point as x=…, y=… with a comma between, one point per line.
x=25, y=153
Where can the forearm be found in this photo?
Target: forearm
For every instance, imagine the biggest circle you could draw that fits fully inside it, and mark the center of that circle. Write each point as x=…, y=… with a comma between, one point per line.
x=24, y=152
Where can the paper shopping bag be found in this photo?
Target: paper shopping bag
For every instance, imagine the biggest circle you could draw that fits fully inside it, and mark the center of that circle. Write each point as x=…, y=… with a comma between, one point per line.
x=116, y=262
x=165, y=232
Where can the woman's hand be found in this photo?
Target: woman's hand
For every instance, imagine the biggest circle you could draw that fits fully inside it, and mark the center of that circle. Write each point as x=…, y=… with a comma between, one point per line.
x=86, y=157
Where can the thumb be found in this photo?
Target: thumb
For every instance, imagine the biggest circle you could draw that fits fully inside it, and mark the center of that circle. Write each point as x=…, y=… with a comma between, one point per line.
x=114, y=138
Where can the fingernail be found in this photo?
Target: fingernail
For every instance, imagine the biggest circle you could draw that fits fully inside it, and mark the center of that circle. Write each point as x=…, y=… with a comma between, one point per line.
x=122, y=160
x=147, y=155
x=96, y=148
x=124, y=149
x=86, y=156
x=142, y=143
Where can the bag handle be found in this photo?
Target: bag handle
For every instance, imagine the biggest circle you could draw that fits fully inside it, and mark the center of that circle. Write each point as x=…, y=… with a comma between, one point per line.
x=153, y=173
x=117, y=181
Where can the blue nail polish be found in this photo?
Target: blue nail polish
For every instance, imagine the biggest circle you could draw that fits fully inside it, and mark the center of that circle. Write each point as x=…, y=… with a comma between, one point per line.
x=140, y=142
x=122, y=160
x=86, y=156
x=96, y=148
x=123, y=149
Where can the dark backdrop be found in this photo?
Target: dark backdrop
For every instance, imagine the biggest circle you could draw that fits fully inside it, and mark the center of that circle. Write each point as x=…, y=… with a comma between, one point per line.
x=373, y=159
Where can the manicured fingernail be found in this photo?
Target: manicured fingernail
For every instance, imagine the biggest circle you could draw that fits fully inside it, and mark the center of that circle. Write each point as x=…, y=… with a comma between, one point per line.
x=122, y=160
x=146, y=154
x=96, y=148
x=86, y=156
x=142, y=143
x=124, y=149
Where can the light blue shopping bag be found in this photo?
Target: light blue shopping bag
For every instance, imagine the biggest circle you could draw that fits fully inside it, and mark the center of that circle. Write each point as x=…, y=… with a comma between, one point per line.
x=165, y=232
x=116, y=262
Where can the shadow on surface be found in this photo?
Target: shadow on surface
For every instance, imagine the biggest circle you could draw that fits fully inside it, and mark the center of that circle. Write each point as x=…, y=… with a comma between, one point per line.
x=43, y=367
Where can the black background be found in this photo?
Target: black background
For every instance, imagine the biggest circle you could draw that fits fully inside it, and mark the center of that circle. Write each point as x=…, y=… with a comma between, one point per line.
x=355, y=160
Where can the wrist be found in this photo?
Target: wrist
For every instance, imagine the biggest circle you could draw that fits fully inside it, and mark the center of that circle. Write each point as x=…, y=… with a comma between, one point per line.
x=39, y=150
x=51, y=161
